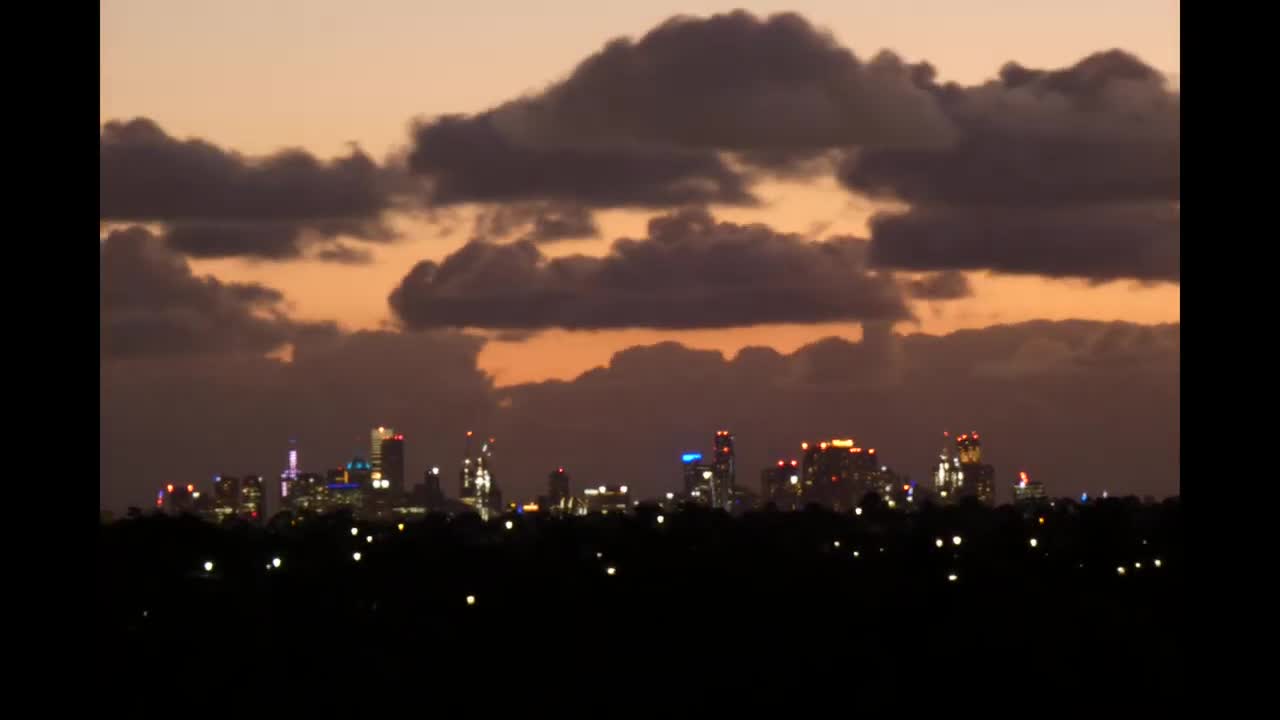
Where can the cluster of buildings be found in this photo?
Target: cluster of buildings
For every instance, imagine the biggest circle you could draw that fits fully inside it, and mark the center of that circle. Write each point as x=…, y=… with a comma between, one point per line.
x=838, y=474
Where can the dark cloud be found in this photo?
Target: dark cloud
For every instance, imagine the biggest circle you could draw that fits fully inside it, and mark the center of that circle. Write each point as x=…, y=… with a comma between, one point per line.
x=950, y=285
x=342, y=253
x=152, y=304
x=1080, y=405
x=733, y=82
x=220, y=203
x=690, y=272
x=542, y=222
x=1072, y=172
x=469, y=159
x=643, y=122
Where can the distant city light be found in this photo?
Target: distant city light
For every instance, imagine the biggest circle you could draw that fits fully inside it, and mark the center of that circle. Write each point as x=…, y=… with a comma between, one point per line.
x=275, y=562
x=471, y=599
x=1034, y=542
x=938, y=542
x=1156, y=562
x=208, y=566
x=355, y=531
x=601, y=488
x=510, y=524
x=368, y=538
x=355, y=556
x=1120, y=570
x=836, y=543
x=1137, y=566
x=671, y=496
x=611, y=570
x=400, y=527
x=855, y=553
x=795, y=479
x=661, y=519
x=599, y=555
x=956, y=540
x=857, y=511
x=1041, y=519
x=952, y=577
x=624, y=488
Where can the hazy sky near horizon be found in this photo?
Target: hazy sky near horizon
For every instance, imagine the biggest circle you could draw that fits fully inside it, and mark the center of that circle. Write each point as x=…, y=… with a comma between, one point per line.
x=1068, y=219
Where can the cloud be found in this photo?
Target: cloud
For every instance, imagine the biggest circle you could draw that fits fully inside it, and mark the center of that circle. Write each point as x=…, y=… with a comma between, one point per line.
x=543, y=222
x=690, y=272
x=221, y=204
x=1071, y=172
x=152, y=304
x=1080, y=405
x=948, y=285
x=645, y=122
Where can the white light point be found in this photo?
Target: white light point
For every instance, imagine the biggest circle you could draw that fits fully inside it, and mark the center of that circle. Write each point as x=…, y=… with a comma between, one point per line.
x=208, y=566
x=836, y=543
x=661, y=519
x=510, y=524
x=1034, y=542
x=1157, y=562
x=368, y=538
x=471, y=599
x=937, y=543
x=275, y=562
x=1120, y=570
x=355, y=556
x=956, y=540
x=952, y=577
x=355, y=532
x=611, y=571
x=857, y=511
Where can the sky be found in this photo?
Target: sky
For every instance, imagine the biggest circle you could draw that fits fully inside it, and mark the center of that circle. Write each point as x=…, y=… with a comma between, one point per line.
x=319, y=217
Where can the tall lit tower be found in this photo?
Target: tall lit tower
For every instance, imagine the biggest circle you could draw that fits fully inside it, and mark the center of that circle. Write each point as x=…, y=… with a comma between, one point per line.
x=558, y=491
x=392, y=458
x=289, y=478
x=479, y=488
x=979, y=478
x=723, y=470
x=376, y=436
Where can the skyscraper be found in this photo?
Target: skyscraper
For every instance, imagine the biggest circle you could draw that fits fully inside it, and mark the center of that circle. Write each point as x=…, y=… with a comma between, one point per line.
x=289, y=478
x=979, y=478
x=393, y=465
x=780, y=485
x=724, y=479
x=558, y=491
x=479, y=488
x=376, y=436
x=838, y=473
x=252, y=500
x=1027, y=491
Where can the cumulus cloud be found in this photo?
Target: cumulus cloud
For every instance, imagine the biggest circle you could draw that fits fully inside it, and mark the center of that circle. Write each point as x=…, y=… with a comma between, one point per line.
x=152, y=304
x=689, y=272
x=949, y=285
x=1071, y=172
x=220, y=203
x=645, y=122
x=540, y=222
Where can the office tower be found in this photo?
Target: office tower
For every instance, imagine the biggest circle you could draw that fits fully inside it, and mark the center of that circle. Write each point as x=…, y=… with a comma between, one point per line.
x=978, y=478
x=177, y=499
x=432, y=496
x=558, y=499
x=724, y=474
x=838, y=473
x=479, y=489
x=289, y=477
x=341, y=492
x=780, y=485
x=393, y=465
x=252, y=499
x=226, y=497
x=307, y=494
x=948, y=478
x=606, y=499
x=376, y=436
x=1027, y=491
x=698, y=478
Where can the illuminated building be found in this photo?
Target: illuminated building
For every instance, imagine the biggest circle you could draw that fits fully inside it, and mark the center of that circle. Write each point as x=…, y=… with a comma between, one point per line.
x=479, y=489
x=724, y=474
x=780, y=485
x=226, y=497
x=289, y=478
x=177, y=499
x=252, y=501
x=376, y=436
x=393, y=465
x=429, y=493
x=698, y=477
x=979, y=479
x=308, y=494
x=1027, y=491
x=606, y=499
x=837, y=473
x=948, y=478
x=558, y=498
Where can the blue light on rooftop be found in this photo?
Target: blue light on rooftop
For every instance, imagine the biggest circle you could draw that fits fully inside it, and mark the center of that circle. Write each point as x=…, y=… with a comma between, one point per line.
x=690, y=457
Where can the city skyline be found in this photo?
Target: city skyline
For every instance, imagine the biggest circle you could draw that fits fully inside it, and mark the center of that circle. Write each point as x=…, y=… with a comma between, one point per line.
x=594, y=248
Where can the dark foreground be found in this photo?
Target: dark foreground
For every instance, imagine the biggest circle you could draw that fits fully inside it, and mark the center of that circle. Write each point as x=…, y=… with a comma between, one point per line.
x=770, y=594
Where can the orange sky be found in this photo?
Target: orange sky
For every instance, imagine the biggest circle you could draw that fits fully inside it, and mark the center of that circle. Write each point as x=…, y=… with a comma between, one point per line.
x=258, y=76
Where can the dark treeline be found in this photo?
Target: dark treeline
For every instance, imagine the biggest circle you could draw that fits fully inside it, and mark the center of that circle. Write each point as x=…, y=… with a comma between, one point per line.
x=871, y=592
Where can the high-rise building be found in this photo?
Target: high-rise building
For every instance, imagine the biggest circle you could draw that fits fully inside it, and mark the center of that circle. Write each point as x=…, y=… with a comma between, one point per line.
x=432, y=496
x=979, y=479
x=1027, y=491
x=289, y=477
x=724, y=472
x=177, y=499
x=606, y=499
x=308, y=494
x=376, y=436
x=838, y=473
x=341, y=493
x=252, y=499
x=948, y=478
x=479, y=489
x=698, y=478
x=558, y=498
x=393, y=465
x=780, y=485
x=226, y=497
